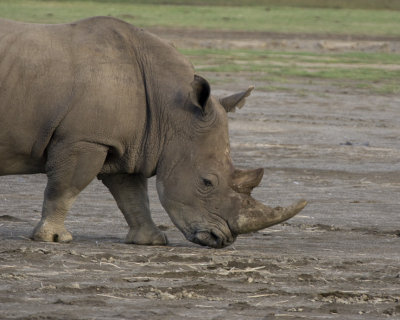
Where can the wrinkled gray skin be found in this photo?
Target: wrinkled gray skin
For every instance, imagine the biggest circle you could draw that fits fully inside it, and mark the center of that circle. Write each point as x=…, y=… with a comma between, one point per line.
x=101, y=98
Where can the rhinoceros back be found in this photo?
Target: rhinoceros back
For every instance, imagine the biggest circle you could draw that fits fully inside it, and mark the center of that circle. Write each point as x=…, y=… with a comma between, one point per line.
x=86, y=81
x=56, y=74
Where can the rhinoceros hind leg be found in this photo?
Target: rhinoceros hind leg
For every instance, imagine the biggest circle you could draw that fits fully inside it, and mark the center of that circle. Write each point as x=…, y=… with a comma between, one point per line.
x=130, y=193
x=69, y=171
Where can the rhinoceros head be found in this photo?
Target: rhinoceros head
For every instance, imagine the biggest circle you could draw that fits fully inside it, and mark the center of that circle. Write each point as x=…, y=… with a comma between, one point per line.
x=205, y=196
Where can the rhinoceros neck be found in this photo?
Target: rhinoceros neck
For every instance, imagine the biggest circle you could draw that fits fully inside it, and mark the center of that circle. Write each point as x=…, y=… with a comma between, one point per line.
x=153, y=135
x=166, y=77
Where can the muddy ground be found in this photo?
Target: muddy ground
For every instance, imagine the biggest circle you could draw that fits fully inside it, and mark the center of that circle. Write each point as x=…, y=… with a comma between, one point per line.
x=338, y=259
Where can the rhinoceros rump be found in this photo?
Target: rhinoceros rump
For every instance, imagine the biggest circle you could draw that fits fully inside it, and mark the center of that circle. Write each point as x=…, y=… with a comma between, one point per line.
x=101, y=98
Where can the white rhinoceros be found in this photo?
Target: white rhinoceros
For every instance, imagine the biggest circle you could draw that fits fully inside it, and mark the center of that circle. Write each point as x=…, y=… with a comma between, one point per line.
x=101, y=98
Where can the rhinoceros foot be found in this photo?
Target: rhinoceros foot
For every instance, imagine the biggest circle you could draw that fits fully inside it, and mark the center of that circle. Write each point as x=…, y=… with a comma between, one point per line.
x=146, y=236
x=51, y=232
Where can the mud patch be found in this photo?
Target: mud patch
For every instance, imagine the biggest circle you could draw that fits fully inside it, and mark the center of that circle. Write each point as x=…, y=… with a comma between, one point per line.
x=6, y=217
x=355, y=298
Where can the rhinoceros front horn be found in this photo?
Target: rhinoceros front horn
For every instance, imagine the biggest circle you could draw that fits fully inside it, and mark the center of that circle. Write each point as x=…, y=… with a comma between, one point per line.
x=254, y=216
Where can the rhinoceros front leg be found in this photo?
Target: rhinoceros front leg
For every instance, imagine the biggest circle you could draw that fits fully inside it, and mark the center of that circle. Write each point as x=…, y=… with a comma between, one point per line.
x=69, y=171
x=130, y=193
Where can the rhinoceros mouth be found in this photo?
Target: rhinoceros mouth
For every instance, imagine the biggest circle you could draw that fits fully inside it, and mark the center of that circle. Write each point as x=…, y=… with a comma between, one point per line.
x=212, y=238
x=213, y=231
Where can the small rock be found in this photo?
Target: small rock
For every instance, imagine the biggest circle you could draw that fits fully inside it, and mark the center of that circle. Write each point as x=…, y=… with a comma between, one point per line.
x=74, y=285
x=166, y=296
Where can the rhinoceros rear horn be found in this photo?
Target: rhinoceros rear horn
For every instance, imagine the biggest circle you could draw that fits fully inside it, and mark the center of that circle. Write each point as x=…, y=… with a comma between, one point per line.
x=236, y=100
x=201, y=92
x=244, y=181
x=254, y=216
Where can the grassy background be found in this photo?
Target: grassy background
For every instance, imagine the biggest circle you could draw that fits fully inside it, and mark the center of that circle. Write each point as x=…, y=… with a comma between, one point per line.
x=333, y=4
x=376, y=72
x=353, y=70
x=248, y=18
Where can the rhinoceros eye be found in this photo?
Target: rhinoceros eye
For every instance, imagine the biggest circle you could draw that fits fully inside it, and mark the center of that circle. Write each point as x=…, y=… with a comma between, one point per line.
x=207, y=183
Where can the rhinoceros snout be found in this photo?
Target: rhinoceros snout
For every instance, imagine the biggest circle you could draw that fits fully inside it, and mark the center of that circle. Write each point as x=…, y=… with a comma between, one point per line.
x=212, y=239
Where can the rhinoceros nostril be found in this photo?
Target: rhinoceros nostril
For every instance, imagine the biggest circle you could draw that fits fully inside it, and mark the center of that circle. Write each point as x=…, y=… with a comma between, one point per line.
x=209, y=238
x=201, y=237
x=217, y=240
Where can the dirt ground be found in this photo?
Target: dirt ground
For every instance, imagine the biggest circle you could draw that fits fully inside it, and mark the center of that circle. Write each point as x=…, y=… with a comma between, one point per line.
x=338, y=259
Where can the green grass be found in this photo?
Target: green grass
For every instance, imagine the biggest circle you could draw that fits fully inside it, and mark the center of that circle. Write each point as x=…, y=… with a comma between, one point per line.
x=248, y=18
x=293, y=57
x=362, y=71
x=333, y=4
x=377, y=72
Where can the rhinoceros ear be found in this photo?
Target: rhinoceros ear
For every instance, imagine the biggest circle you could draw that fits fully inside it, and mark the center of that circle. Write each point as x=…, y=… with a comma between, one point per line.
x=201, y=92
x=236, y=100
